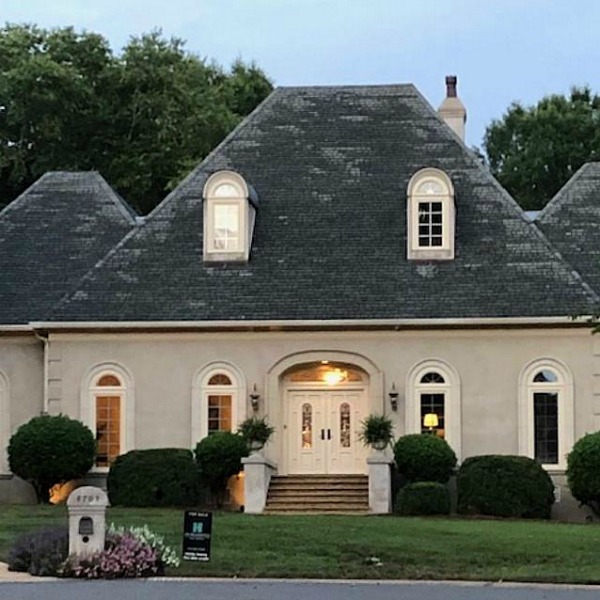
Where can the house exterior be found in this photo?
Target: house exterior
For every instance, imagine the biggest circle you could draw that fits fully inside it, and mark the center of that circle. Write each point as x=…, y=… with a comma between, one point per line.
x=340, y=253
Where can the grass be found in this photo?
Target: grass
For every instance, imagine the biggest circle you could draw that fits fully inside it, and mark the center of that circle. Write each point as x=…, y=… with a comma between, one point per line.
x=341, y=546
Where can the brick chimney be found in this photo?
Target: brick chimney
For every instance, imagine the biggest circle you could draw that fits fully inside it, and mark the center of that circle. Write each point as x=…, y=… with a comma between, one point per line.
x=452, y=110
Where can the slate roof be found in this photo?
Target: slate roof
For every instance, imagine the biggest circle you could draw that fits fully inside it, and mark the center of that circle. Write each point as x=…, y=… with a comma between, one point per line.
x=331, y=167
x=51, y=236
x=571, y=221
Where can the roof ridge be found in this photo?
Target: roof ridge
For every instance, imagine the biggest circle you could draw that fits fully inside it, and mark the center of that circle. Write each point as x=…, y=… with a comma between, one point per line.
x=557, y=200
x=343, y=86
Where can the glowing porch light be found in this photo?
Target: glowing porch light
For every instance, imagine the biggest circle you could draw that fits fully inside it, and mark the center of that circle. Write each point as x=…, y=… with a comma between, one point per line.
x=334, y=376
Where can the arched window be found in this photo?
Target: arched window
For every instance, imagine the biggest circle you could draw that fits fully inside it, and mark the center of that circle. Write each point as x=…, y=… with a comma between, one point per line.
x=218, y=401
x=228, y=217
x=107, y=408
x=433, y=403
x=546, y=412
x=430, y=216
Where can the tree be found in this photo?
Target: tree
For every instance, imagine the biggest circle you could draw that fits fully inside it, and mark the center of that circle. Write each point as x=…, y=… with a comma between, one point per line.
x=534, y=151
x=51, y=449
x=142, y=119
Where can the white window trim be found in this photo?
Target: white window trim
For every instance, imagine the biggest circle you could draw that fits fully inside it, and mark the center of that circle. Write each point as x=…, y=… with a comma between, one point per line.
x=242, y=251
x=201, y=391
x=452, y=400
x=126, y=393
x=566, y=413
x=5, y=423
x=446, y=250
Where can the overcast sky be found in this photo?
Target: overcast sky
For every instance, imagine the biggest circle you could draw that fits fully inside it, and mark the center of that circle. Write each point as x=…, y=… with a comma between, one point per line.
x=501, y=50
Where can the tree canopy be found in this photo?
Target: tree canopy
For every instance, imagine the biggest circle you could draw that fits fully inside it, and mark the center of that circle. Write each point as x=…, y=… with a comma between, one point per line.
x=142, y=118
x=534, y=151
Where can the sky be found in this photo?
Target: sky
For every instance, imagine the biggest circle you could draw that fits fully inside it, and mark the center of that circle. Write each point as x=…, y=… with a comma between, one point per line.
x=501, y=50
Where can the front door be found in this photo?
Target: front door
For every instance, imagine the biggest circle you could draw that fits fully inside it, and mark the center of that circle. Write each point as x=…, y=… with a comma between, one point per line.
x=323, y=431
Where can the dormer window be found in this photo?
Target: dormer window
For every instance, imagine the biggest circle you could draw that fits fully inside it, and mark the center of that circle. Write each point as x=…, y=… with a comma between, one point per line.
x=229, y=213
x=430, y=216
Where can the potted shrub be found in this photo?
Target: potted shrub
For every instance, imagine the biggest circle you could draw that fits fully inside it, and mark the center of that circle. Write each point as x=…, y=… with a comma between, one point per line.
x=376, y=431
x=256, y=431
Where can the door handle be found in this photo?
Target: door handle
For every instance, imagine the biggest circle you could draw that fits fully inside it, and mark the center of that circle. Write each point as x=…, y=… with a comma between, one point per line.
x=322, y=434
x=329, y=434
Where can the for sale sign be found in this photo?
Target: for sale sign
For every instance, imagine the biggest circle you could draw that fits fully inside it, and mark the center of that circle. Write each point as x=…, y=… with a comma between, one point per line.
x=197, y=533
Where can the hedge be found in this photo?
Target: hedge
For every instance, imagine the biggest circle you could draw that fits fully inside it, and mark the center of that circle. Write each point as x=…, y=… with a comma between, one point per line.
x=424, y=457
x=423, y=498
x=583, y=471
x=504, y=486
x=157, y=477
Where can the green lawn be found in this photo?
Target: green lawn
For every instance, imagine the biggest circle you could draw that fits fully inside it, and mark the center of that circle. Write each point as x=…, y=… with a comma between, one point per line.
x=340, y=546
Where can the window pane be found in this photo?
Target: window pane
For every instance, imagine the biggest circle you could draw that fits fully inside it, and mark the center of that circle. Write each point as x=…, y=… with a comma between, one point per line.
x=545, y=376
x=433, y=403
x=345, y=425
x=306, y=426
x=226, y=190
x=219, y=379
x=219, y=412
x=108, y=429
x=109, y=380
x=545, y=416
x=227, y=227
x=432, y=377
x=430, y=224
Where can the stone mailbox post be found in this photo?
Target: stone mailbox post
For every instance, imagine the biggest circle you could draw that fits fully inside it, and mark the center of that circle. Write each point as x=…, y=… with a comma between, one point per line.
x=87, y=520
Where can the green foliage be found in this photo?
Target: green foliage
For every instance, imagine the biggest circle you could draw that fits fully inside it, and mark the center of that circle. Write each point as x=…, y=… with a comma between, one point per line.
x=219, y=456
x=423, y=498
x=42, y=552
x=142, y=118
x=583, y=471
x=256, y=430
x=376, y=430
x=49, y=450
x=424, y=457
x=156, y=477
x=534, y=150
x=504, y=486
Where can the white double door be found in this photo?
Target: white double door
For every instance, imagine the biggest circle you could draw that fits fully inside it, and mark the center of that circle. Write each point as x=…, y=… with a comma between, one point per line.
x=323, y=428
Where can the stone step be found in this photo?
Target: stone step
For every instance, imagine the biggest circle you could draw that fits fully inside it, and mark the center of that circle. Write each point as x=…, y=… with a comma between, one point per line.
x=308, y=493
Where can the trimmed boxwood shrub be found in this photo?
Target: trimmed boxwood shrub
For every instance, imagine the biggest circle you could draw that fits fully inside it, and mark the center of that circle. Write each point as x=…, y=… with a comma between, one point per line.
x=583, y=471
x=423, y=498
x=51, y=449
x=424, y=457
x=156, y=477
x=219, y=456
x=504, y=486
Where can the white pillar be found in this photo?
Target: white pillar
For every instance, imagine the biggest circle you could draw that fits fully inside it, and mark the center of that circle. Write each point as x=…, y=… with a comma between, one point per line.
x=380, y=484
x=257, y=477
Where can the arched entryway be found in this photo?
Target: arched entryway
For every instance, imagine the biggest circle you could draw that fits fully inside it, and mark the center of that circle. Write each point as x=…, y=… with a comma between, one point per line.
x=324, y=403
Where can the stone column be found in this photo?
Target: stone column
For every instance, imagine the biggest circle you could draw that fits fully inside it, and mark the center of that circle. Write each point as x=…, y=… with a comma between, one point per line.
x=257, y=476
x=380, y=484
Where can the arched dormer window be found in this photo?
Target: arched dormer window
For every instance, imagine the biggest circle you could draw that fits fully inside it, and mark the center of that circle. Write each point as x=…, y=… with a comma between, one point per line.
x=229, y=214
x=430, y=216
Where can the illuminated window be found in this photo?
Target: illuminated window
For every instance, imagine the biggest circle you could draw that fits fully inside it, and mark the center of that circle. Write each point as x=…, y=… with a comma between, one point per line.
x=430, y=216
x=229, y=216
x=108, y=398
x=433, y=402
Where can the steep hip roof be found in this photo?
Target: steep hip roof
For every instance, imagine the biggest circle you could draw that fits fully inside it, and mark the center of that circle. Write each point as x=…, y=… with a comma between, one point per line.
x=51, y=236
x=571, y=221
x=331, y=167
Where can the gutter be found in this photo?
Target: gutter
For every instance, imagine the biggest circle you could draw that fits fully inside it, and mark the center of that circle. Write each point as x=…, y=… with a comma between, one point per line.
x=310, y=324
x=44, y=339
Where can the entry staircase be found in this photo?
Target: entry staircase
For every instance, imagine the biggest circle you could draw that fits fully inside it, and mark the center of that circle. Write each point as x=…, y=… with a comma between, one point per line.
x=318, y=494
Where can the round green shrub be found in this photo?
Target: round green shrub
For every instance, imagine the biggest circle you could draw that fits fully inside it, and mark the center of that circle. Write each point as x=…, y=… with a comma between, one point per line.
x=219, y=456
x=156, y=477
x=504, y=486
x=583, y=471
x=423, y=498
x=424, y=457
x=51, y=449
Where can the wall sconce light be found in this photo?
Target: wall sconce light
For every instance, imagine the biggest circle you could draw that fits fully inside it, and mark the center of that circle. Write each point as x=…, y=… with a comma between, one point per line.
x=254, y=398
x=393, y=394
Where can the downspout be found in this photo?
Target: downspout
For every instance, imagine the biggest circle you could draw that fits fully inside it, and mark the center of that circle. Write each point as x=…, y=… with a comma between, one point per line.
x=45, y=341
